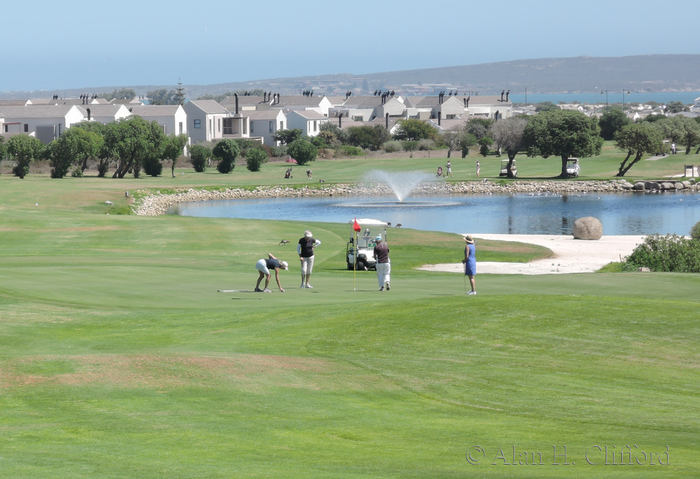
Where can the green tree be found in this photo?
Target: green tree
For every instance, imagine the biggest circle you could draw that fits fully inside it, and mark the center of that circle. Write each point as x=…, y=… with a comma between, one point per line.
x=302, y=151
x=255, y=158
x=484, y=144
x=226, y=152
x=562, y=133
x=287, y=137
x=162, y=97
x=612, y=120
x=451, y=139
x=368, y=137
x=637, y=139
x=132, y=142
x=546, y=106
x=152, y=158
x=414, y=130
x=179, y=95
x=676, y=107
x=172, y=150
x=466, y=141
x=75, y=146
x=123, y=94
x=23, y=149
x=479, y=127
x=509, y=136
x=681, y=129
x=199, y=155
x=3, y=149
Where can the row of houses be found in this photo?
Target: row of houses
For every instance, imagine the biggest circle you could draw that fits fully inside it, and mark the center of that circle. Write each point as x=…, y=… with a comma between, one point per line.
x=253, y=117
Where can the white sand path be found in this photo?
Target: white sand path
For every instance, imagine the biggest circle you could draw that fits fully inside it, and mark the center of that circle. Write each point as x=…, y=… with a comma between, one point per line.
x=570, y=255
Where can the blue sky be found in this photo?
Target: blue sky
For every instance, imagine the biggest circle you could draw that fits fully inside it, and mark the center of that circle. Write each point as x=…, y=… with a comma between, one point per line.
x=81, y=43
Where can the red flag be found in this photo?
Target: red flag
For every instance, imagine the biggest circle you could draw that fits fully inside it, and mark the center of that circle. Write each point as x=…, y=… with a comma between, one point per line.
x=356, y=226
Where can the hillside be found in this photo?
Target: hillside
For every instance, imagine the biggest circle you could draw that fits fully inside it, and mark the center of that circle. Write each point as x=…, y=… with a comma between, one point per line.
x=647, y=73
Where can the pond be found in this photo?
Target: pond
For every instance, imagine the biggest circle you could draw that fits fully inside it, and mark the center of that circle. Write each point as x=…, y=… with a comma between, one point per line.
x=621, y=214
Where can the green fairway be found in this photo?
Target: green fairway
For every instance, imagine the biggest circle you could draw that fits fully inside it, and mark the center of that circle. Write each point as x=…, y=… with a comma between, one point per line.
x=120, y=358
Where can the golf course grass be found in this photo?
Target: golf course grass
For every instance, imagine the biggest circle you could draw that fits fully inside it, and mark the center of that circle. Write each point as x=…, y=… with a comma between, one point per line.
x=120, y=358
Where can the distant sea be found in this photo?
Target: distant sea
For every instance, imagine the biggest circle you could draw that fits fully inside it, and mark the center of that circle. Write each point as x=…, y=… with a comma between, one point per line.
x=685, y=97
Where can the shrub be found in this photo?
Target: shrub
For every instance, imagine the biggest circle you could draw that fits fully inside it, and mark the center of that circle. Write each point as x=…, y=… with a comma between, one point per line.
x=198, y=157
x=409, y=145
x=303, y=151
x=152, y=166
x=226, y=151
x=278, y=151
x=695, y=231
x=77, y=173
x=347, y=150
x=255, y=158
x=425, y=144
x=392, y=146
x=670, y=253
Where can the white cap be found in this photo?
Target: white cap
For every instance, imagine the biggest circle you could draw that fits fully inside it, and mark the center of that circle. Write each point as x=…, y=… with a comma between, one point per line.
x=308, y=234
x=284, y=265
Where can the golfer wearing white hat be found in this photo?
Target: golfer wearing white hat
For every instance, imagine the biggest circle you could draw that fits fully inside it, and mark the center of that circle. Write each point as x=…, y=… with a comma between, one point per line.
x=264, y=266
x=305, y=249
x=381, y=254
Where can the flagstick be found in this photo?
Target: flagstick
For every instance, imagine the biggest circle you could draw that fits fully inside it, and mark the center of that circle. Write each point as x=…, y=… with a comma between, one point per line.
x=354, y=266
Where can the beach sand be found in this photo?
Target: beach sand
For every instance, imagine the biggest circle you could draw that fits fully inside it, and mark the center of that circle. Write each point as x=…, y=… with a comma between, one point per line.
x=570, y=255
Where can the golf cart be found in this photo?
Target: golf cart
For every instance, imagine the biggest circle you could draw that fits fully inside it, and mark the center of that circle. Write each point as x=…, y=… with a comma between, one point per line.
x=572, y=167
x=365, y=260
x=504, y=169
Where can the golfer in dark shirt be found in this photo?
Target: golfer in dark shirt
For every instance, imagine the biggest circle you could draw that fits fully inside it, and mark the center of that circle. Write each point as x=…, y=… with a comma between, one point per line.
x=381, y=254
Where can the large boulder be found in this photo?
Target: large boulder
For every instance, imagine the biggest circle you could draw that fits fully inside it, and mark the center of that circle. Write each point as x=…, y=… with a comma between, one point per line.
x=588, y=228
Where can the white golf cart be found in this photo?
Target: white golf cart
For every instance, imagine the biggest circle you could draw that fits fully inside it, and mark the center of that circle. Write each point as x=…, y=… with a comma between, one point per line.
x=504, y=169
x=365, y=259
x=572, y=167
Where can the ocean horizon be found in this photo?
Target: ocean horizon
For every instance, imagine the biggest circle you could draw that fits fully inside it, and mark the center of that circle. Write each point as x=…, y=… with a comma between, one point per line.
x=685, y=97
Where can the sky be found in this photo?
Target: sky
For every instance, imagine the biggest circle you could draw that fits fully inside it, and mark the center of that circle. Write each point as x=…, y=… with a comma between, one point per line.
x=65, y=44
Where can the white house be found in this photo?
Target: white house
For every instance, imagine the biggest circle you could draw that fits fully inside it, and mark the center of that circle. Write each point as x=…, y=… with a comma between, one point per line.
x=319, y=104
x=172, y=118
x=104, y=113
x=47, y=122
x=205, y=121
x=357, y=108
x=265, y=123
x=308, y=121
x=487, y=106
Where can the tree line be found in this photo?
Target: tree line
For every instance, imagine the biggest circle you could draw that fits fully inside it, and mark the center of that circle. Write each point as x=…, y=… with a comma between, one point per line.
x=134, y=145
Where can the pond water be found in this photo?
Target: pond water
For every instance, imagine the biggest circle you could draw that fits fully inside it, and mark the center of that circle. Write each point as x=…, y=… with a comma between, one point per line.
x=621, y=214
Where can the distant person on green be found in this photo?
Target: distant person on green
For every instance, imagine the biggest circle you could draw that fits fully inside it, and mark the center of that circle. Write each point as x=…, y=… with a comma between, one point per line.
x=470, y=262
x=305, y=249
x=381, y=254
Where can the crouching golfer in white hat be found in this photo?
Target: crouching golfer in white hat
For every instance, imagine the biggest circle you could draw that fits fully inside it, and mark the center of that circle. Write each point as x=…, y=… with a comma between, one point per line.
x=264, y=266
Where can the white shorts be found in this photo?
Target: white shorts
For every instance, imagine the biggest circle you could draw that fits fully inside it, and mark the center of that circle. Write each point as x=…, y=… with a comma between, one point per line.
x=262, y=267
x=307, y=265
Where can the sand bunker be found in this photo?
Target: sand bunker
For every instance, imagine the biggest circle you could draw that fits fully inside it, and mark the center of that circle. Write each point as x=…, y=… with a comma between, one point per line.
x=570, y=255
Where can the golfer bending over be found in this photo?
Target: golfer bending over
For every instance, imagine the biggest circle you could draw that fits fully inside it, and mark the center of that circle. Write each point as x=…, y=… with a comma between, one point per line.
x=381, y=253
x=305, y=249
x=264, y=266
x=470, y=262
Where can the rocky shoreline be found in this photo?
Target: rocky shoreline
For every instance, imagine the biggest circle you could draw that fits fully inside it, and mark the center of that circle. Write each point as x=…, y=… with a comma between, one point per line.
x=155, y=203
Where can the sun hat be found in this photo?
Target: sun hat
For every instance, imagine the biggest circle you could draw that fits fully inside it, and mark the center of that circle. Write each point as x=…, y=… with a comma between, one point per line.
x=284, y=265
x=378, y=238
x=307, y=234
x=469, y=239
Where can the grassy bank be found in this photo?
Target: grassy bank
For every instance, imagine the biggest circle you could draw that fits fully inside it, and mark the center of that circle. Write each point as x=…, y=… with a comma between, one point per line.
x=119, y=357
